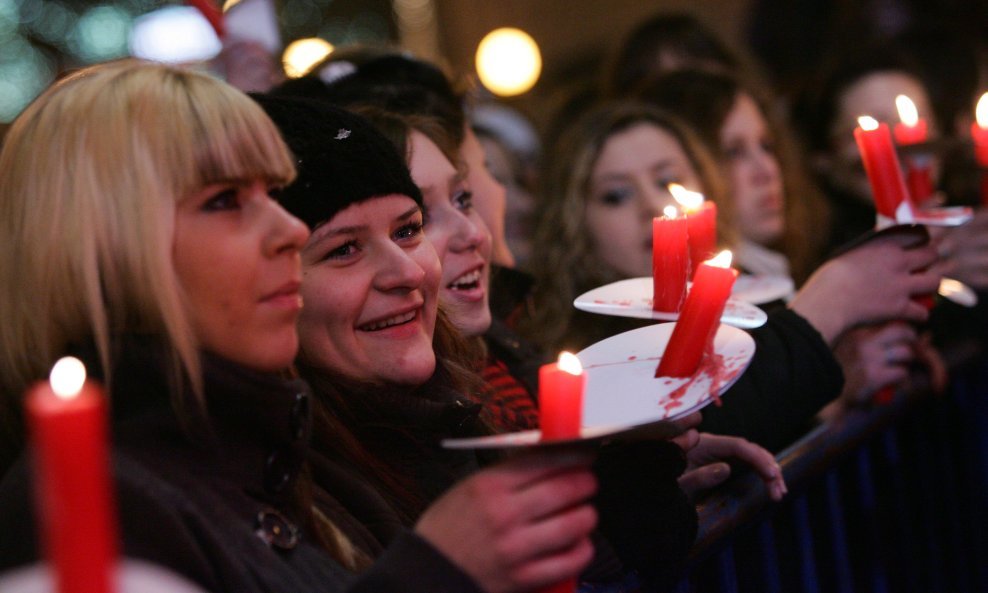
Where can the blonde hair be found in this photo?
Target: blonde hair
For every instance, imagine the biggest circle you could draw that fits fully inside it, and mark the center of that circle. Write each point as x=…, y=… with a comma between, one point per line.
x=567, y=264
x=89, y=177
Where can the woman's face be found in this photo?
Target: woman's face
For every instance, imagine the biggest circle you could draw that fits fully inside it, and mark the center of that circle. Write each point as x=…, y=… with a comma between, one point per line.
x=872, y=95
x=489, y=195
x=458, y=234
x=370, y=282
x=756, y=178
x=236, y=255
x=628, y=188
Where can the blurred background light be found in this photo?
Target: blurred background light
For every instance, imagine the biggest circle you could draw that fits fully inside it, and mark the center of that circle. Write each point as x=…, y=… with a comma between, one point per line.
x=101, y=34
x=25, y=71
x=300, y=56
x=508, y=61
x=174, y=34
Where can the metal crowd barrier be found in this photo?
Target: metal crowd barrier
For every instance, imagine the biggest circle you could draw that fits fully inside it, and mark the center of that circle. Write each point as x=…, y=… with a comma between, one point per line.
x=887, y=499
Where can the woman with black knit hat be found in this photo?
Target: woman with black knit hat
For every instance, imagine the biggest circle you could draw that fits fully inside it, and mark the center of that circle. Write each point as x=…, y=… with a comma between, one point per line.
x=370, y=283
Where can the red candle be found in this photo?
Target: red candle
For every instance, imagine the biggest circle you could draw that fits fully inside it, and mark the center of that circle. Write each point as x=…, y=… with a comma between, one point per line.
x=882, y=165
x=66, y=418
x=701, y=224
x=698, y=322
x=213, y=14
x=911, y=130
x=561, y=398
x=979, y=133
x=670, y=261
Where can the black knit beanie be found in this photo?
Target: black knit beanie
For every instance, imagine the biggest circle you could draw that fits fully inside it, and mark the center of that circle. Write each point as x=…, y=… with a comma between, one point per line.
x=341, y=159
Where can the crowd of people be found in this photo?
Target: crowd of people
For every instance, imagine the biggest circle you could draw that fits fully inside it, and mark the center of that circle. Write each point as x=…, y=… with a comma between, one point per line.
x=293, y=296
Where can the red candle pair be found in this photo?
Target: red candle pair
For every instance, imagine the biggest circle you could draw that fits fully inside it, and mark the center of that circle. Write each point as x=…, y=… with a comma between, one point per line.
x=66, y=418
x=700, y=318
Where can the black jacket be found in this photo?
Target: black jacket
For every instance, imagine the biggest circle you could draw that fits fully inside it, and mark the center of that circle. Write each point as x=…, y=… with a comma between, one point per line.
x=207, y=506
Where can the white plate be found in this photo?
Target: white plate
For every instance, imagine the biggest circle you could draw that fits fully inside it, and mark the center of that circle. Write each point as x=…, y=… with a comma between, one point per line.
x=759, y=289
x=945, y=216
x=633, y=298
x=623, y=395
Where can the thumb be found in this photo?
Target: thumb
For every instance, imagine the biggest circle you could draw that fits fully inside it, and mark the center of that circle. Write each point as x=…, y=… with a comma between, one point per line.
x=705, y=477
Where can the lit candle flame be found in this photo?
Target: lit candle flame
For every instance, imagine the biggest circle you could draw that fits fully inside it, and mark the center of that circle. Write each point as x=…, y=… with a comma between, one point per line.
x=721, y=260
x=569, y=363
x=981, y=111
x=868, y=123
x=689, y=200
x=670, y=212
x=67, y=377
x=907, y=111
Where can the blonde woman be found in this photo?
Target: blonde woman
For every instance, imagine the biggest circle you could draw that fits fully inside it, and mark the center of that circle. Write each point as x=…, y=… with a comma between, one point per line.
x=140, y=233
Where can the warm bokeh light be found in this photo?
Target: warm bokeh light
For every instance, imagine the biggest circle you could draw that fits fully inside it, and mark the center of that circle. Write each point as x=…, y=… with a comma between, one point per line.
x=174, y=34
x=670, y=212
x=508, y=62
x=721, y=260
x=67, y=377
x=569, y=363
x=300, y=56
x=981, y=111
x=689, y=200
x=868, y=123
x=908, y=114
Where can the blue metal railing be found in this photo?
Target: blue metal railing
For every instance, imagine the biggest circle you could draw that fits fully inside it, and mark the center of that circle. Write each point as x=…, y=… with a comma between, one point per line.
x=887, y=499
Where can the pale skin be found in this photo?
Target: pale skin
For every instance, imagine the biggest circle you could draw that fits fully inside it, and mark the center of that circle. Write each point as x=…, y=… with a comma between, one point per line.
x=373, y=278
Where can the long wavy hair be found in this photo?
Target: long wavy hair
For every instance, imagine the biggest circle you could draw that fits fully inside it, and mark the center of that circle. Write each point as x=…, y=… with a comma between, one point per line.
x=567, y=264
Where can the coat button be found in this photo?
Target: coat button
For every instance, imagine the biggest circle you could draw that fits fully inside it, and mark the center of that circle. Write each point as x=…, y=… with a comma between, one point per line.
x=276, y=530
x=300, y=415
x=277, y=472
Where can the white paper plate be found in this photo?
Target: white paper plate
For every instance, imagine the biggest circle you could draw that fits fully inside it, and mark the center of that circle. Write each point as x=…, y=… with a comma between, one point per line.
x=633, y=298
x=623, y=395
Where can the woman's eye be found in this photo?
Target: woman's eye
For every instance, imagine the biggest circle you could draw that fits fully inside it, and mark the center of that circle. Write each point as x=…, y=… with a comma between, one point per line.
x=615, y=197
x=409, y=231
x=343, y=251
x=224, y=200
x=734, y=152
x=463, y=200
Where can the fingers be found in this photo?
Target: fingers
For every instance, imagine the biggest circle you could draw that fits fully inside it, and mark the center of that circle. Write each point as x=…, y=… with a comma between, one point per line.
x=554, y=568
x=703, y=478
x=689, y=421
x=688, y=440
x=533, y=466
x=554, y=494
x=551, y=536
x=919, y=258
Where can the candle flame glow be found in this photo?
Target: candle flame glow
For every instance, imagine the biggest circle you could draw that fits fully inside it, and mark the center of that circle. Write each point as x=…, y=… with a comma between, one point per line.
x=569, y=363
x=907, y=110
x=868, y=123
x=670, y=212
x=67, y=377
x=689, y=200
x=981, y=111
x=721, y=260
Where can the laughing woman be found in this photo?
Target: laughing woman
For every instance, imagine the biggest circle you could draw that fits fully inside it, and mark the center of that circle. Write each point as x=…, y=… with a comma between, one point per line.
x=142, y=235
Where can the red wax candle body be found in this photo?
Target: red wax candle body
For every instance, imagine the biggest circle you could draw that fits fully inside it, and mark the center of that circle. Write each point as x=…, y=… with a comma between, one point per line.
x=882, y=165
x=917, y=169
x=698, y=321
x=906, y=135
x=980, y=137
x=670, y=263
x=560, y=402
x=701, y=225
x=72, y=482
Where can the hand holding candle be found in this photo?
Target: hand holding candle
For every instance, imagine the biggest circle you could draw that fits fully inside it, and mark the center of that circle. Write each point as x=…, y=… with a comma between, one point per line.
x=66, y=418
x=670, y=261
x=701, y=224
x=698, y=322
x=561, y=387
